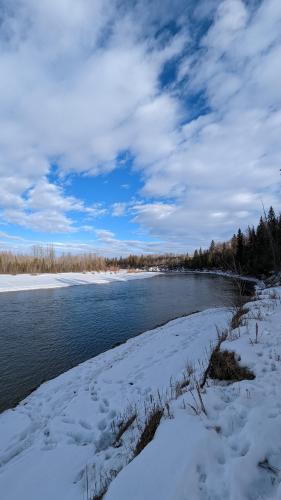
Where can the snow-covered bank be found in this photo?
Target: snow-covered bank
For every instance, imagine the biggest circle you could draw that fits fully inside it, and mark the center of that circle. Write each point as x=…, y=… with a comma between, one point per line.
x=215, y=272
x=233, y=452
x=12, y=283
x=58, y=443
x=228, y=274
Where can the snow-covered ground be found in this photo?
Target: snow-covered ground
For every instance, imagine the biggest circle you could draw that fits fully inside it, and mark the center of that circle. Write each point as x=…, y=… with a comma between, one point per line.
x=58, y=443
x=12, y=283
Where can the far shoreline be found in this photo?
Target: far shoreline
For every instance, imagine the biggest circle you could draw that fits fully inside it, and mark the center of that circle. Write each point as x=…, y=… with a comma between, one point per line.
x=44, y=281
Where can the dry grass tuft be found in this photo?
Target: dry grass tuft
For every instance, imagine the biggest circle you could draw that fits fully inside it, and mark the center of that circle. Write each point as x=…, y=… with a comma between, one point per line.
x=236, y=319
x=224, y=366
x=104, y=482
x=123, y=426
x=151, y=425
x=221, y=337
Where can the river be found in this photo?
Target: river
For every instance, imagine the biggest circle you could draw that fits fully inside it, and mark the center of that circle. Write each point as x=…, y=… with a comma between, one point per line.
x=45, y=332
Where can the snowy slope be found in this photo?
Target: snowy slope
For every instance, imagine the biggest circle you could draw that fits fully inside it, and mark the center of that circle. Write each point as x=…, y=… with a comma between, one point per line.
x=233, y=452
x=57, y=444
x=58, y=429
x=12, y=283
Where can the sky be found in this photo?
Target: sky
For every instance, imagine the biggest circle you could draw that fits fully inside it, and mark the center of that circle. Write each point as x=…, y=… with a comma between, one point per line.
x=136, y=126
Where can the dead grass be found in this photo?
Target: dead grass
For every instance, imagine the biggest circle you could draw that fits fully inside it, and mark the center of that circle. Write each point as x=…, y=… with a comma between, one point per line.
x=224, y=366
x=256, y=339
x=256, y=314
x=151, y=425
x=234, y=335
x=123, y=426
x=221, y=337
x=264, y=464
x=273, y=295
x=236, y=319
x=104, y=482
x=198, y=406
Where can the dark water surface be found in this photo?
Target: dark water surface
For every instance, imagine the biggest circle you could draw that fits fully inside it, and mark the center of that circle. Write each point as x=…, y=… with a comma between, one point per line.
x=45, y=332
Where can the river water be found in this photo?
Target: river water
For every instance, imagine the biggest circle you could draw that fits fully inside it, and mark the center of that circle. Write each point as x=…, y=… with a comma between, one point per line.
x=45, y=332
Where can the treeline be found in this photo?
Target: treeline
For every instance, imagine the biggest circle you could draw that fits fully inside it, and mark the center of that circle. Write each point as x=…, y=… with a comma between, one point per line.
x=257, y=251
x=163, y=261
x=44, y=260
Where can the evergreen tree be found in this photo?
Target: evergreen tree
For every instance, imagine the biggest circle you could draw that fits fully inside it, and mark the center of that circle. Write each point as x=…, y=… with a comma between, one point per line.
x=239, y=256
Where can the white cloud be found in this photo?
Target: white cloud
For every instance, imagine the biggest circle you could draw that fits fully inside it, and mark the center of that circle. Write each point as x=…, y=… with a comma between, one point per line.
x=159, y=211
x=6, y=236
x=44, y=208
x=227, y=160
x=108, y=244
x=80, y=83
x=119, y=209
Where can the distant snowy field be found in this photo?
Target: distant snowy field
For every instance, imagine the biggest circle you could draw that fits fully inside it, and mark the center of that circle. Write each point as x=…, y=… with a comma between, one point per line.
x=58, y=443
x=12, y=283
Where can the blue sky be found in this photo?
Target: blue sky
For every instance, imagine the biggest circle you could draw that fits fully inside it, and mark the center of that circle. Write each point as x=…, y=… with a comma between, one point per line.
x=137, y=127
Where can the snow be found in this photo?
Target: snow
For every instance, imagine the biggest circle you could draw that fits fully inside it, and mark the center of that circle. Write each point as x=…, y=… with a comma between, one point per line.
x=12, y=283
x=217, y=456
x=58, y=442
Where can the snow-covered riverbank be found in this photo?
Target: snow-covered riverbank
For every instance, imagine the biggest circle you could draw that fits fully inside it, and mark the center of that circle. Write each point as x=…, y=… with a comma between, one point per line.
x=228, y=274
x=12, y=283
x=58, y=443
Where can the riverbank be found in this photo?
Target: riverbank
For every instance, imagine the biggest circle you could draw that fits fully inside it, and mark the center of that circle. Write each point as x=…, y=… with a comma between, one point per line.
x=213, y=272
x=60, y=442
x=18, y=282
x=228, y=274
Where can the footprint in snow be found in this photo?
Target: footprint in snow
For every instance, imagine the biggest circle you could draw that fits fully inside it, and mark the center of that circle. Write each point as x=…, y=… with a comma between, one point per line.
x=86, y=425
x=68, y=420
x=94, y=396
x=202, y=476
x=102, y=425
x=111, y=414
x=103, y=408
